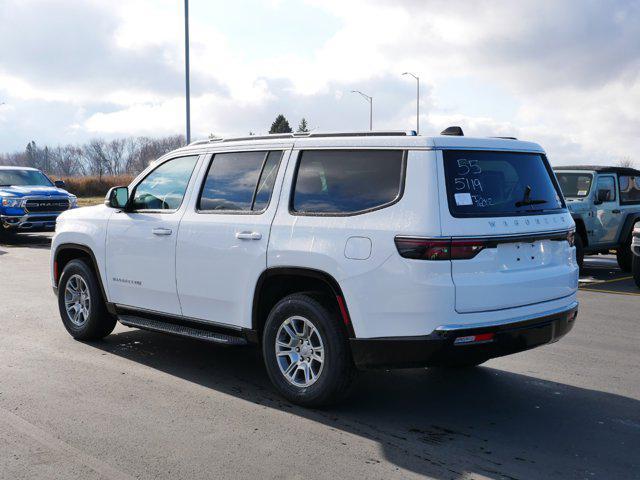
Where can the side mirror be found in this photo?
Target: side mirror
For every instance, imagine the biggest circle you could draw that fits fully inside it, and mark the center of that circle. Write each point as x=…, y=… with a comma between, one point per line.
x=59, y=184
x=117, y=197
x=602, y=196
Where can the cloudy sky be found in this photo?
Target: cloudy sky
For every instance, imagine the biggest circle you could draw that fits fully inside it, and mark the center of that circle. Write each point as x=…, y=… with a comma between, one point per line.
x=565, y=73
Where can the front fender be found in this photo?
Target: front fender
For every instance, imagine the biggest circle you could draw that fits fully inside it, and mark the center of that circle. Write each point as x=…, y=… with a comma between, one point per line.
x=86, y=227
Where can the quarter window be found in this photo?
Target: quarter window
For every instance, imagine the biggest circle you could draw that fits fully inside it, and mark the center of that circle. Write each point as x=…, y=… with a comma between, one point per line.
x=347, y=182
x=164, y=187
x=240, y=181
x=629, y=189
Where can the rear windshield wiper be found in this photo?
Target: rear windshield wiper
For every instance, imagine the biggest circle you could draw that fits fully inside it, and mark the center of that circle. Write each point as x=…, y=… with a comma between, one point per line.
x=526, y=200
x=525, y=203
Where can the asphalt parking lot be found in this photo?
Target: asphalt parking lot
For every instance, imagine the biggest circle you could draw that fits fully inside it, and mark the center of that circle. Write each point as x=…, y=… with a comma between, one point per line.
x=144, y=405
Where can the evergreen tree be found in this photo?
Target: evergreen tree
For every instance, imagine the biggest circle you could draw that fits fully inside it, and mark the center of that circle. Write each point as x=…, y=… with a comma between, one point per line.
x=280, y=125
x=302, y=126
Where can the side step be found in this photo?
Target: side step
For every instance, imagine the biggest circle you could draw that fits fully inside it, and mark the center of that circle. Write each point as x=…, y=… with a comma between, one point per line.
x=180, y=330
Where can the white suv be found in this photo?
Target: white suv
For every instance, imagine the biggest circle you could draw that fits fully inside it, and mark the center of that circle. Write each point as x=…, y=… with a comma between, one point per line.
x=331, y=251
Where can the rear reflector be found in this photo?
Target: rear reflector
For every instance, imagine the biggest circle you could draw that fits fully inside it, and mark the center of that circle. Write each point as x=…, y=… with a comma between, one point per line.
x=470, y=339
x=343, y=310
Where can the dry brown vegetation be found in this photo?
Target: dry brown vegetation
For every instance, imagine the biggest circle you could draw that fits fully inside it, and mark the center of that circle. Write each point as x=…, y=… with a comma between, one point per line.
x=94, y=186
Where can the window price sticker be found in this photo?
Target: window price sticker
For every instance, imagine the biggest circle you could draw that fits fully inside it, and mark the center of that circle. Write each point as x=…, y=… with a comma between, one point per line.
x=463, y=199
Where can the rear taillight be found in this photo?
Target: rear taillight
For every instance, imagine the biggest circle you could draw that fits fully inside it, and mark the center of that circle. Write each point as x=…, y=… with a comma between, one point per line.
x=466, y=249
x=571, y=237
x=423, y=248
x=439, y=249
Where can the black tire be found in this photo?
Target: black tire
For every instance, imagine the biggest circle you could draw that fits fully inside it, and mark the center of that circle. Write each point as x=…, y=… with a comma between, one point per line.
x=635, y=268
x=336, y=376
x=579, y=250
x=6, y=234
x=624, y=256
x=98, y=323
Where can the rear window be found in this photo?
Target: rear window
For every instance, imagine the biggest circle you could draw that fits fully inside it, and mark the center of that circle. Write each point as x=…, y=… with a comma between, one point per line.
x=575, y=185
x=482, y=183
x=629, y=189
x=343, y=182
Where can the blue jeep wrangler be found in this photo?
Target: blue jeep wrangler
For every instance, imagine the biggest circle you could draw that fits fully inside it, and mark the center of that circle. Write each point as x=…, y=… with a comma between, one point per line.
x=605, y=204
x=30, y=201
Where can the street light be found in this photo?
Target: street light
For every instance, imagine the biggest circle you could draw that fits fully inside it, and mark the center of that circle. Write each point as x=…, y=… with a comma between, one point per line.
x=186, y=67
x=370, y=100
x=417, y=100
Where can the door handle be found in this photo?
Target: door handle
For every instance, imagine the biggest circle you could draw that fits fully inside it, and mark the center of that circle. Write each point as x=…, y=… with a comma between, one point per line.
x=615, y=211
x=161, y=231
x=248, y=235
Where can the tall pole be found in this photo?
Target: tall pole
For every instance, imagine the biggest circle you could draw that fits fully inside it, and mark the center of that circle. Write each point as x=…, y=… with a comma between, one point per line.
x=186, y=66
x=417, y=100
x=370, y=100
x=418, y=106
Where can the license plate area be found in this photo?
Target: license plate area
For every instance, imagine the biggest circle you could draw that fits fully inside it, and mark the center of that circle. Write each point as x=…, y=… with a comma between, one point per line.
x=521, y=255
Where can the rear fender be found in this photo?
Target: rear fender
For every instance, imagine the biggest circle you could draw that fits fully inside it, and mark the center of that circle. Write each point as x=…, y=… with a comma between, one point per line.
x=629, y=222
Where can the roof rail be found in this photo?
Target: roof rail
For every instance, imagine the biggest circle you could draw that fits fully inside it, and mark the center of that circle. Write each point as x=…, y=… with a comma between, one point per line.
x=272, y=136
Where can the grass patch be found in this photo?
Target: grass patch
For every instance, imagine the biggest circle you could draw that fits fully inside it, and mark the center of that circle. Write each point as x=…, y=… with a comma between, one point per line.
x=89, y=201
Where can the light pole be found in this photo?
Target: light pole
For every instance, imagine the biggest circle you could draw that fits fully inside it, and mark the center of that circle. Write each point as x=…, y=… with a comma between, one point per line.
x=370, y=100
x=417, y=100
x=186, y=67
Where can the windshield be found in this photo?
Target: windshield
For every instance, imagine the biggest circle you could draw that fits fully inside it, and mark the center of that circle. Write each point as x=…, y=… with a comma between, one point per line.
x=482, y=183
x=13, y=178
x=575, y=185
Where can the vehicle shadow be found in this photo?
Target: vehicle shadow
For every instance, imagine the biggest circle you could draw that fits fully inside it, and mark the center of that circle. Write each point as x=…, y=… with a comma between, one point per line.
x=25, y=240
x=602, y=274
x=441, y=423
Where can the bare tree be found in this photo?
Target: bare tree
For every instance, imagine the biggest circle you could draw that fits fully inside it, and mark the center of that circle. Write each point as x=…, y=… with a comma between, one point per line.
x=626, y=162
x=99, y=157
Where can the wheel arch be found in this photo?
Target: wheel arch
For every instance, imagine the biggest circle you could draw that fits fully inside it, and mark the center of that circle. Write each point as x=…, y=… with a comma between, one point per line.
x=275, y=283
x=67, y=252
x=627, y=227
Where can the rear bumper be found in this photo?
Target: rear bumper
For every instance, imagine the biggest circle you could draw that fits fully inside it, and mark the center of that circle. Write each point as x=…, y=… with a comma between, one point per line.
x=438, y=348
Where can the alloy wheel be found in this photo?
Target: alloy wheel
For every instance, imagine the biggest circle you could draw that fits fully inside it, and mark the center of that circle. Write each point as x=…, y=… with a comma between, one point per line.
x=77, y=300
x=299, y=351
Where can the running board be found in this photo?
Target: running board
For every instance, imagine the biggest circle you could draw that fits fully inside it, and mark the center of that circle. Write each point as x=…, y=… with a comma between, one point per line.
x=180, y=330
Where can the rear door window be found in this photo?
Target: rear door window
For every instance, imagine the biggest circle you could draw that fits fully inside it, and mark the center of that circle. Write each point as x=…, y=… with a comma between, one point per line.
x=347, y=182
x=629, y=189
x=484, y=183
x=240, y=182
